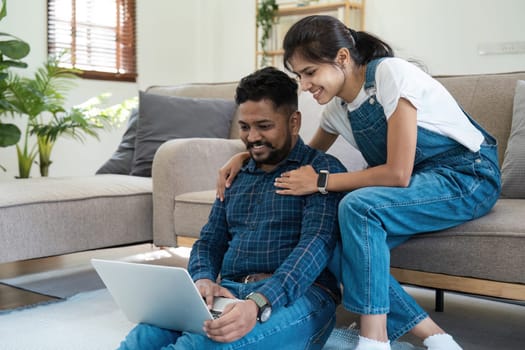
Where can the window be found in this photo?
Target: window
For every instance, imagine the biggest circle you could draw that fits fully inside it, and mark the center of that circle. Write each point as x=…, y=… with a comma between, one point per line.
x=97, y=36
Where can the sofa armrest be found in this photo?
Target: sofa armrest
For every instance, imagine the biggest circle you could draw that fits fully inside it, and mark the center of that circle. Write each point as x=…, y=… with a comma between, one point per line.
x=181, y=166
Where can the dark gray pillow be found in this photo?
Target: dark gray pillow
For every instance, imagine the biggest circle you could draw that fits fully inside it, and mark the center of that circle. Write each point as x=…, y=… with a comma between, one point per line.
x=513, y=167
x=122, y=160
x=162, y=118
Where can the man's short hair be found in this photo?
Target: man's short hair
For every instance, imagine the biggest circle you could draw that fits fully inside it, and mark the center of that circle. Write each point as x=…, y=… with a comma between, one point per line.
x=271, y=84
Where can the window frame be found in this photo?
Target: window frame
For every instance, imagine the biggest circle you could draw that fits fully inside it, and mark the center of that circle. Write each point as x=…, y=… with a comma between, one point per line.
x=125, y=43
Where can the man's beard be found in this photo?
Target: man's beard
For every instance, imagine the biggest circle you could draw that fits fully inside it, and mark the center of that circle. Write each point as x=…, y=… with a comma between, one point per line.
x=276, y=155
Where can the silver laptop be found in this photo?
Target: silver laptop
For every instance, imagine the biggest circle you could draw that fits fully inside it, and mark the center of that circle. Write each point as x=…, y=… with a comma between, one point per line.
x=162, y=296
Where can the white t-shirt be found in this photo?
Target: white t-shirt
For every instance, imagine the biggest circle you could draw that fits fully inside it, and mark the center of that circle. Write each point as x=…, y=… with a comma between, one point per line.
x=395, y=78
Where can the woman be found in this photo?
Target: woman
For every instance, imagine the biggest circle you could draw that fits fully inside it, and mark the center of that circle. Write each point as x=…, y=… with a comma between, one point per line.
x=431, y=167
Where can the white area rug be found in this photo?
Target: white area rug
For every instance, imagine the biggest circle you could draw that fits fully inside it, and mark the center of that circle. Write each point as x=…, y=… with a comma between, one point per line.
x=87, y=321
x=92, y=321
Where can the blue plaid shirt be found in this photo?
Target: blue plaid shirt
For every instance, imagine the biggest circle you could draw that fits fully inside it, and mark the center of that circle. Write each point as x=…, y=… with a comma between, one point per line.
x=256, y=230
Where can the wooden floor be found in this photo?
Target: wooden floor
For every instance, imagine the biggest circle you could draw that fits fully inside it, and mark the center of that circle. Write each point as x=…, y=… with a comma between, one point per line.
x=12, y=297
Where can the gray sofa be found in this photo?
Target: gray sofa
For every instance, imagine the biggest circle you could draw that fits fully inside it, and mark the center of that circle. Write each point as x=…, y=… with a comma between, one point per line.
x=52, y=216
x=483, y=257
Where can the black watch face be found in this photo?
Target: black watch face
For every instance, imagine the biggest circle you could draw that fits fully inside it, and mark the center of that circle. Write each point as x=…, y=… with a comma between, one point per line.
x=321, y=180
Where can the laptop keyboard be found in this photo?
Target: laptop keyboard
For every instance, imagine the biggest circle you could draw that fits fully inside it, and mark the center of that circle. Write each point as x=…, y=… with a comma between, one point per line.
x=215, y=314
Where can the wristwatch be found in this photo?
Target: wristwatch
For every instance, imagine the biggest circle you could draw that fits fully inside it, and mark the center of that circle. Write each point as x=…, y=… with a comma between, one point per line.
x=322, y=181
x=265, y=309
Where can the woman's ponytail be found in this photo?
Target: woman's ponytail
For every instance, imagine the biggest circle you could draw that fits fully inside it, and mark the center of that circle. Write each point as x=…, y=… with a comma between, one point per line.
x=369, y=47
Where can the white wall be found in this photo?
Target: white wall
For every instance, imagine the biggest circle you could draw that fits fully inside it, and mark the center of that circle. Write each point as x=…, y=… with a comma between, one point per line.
x=213, y=40
x=444, y=34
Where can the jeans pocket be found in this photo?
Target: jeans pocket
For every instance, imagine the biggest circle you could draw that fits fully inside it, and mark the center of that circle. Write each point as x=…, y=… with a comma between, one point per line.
x=318, y=339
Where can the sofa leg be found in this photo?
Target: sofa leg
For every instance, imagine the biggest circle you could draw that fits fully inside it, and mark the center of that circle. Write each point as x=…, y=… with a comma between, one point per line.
x=440, y=300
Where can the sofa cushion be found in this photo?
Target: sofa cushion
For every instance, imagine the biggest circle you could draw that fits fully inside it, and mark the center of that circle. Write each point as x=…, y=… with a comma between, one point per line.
x=513, y=169
x=121, y=161
x=163, y=118
x=468, y=250
x=39, y=190
x=191, y=212
x=224, y=90
x=58, y=215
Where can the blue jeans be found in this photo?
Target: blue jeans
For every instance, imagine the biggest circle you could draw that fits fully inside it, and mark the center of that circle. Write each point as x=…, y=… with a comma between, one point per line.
x=306, y=324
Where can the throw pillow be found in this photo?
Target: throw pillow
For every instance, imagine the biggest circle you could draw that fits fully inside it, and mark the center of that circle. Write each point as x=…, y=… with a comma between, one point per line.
x=513, y=168
x=122, y=160
x=162, y=118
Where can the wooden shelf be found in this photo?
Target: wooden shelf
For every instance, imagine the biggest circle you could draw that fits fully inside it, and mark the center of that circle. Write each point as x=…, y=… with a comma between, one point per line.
x=350, y=12
x=291, y=10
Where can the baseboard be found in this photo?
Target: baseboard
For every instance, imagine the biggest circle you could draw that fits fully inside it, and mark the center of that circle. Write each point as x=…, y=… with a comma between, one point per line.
x=184, y=241
x=513, y=291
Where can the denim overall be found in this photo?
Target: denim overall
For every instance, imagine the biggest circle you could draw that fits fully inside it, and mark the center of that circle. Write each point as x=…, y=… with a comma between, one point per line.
x=449, y=185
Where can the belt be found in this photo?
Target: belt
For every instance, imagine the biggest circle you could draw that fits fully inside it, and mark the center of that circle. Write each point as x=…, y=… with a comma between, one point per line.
x=256, y=277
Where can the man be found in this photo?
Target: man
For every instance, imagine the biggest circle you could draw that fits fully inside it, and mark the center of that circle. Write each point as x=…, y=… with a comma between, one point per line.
x=269, y=250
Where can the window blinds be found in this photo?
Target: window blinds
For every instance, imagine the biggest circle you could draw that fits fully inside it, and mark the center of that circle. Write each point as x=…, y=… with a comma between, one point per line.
x=95, y=36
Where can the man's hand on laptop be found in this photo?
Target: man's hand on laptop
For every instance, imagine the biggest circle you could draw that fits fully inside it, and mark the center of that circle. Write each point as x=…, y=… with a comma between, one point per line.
x=209, y=290
x=236, y=321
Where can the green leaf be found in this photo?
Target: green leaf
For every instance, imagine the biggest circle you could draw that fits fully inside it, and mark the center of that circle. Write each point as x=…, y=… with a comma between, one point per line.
x=4, y=106
x=9, y=63
x=9, y=135
x=26, y=159
x=15, y=49
x=3, y=11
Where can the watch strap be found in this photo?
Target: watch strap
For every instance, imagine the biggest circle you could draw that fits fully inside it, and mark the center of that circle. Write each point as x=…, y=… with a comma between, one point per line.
x=261, y=302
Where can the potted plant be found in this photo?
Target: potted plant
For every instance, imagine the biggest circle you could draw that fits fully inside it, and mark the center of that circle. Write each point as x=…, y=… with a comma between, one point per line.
x=42, y=100
x=265, y=21
x=12, y=51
